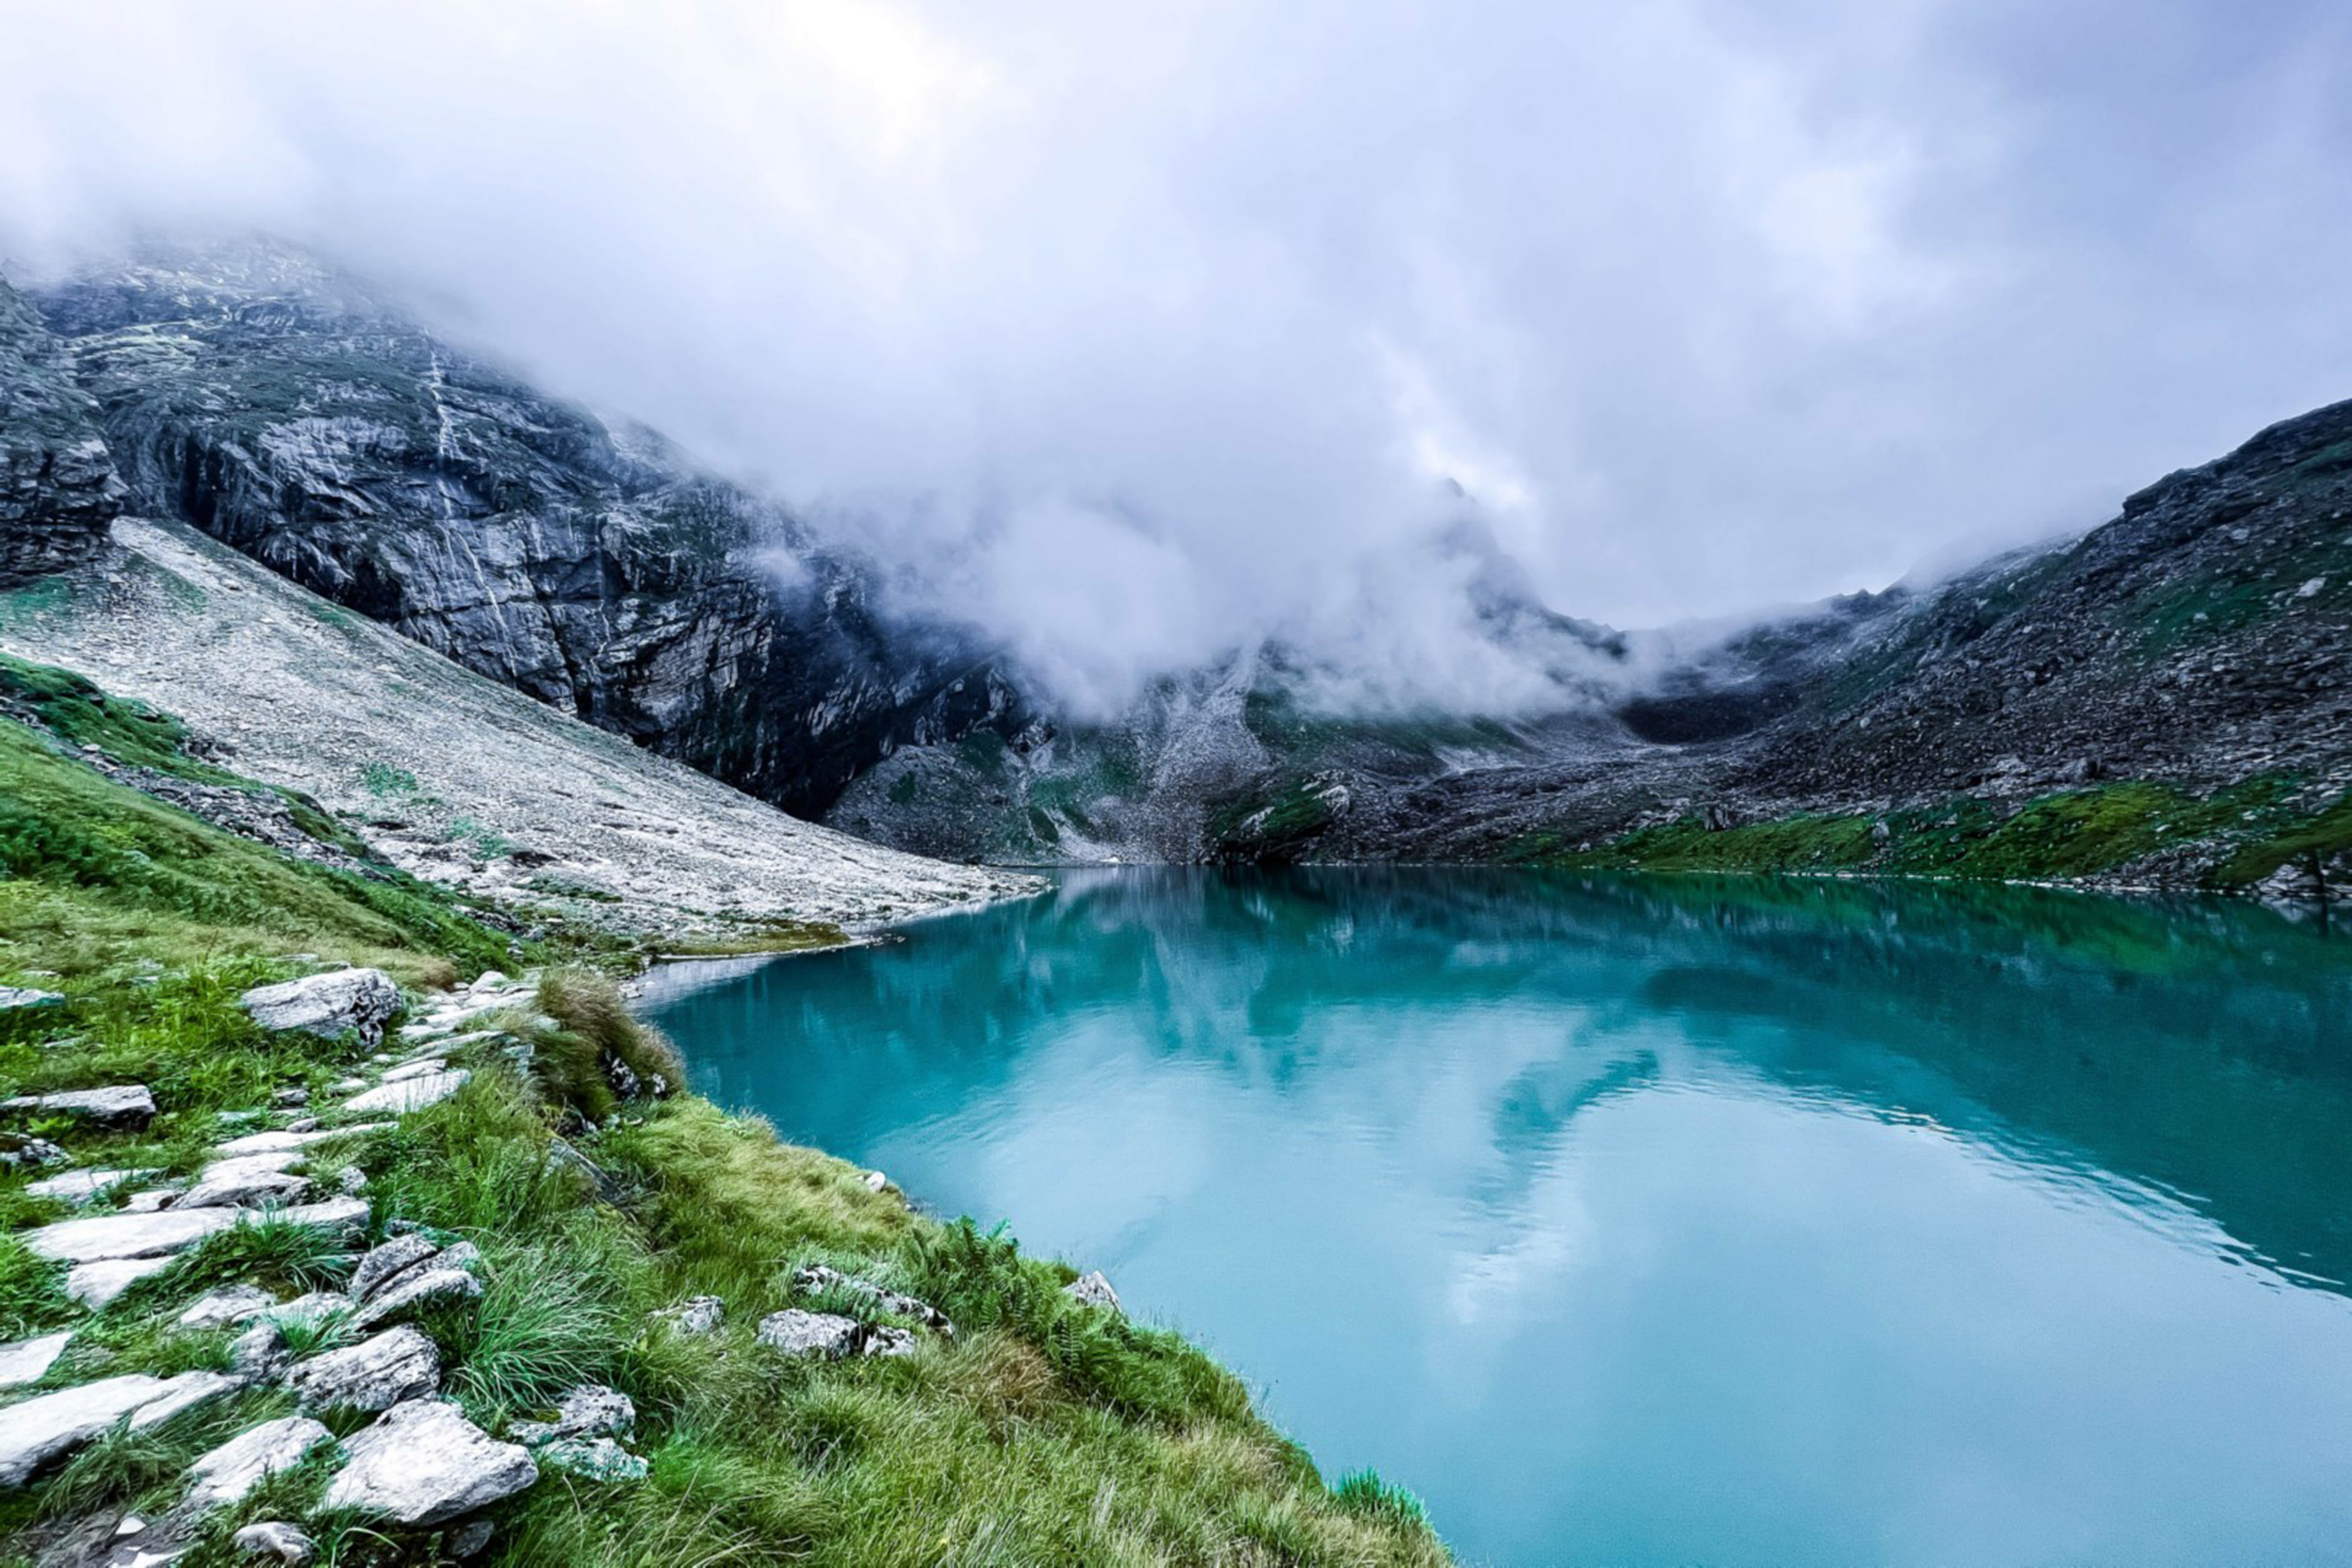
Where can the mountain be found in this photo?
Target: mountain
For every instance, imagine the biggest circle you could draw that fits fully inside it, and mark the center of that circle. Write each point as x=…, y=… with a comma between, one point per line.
x=2160, y=700
x=257, y=395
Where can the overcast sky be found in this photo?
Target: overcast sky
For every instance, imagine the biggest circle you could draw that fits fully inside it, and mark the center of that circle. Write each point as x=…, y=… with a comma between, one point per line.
x=1145, y=325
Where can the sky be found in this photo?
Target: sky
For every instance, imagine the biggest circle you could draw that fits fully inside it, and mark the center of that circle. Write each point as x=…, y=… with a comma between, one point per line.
x=1136, y=331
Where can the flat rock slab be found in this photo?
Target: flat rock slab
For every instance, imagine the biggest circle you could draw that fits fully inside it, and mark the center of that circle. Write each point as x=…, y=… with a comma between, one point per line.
x=120, y=1236
x=225, y=1475
x=425, y=1462
x=43, y=1427
x=417, y=1069
x=95, y=1285
x=361, y=1000
x=376, y=1375
x=28, y=1361
x=81, y=1186
x=411, y=1093
x=431, y=1286
x=591, y=1410
x=28, y=996
x=390, y=1259
x=280, y=1143
x=276, y=1540
x=256, y=1189
x=123, y=1105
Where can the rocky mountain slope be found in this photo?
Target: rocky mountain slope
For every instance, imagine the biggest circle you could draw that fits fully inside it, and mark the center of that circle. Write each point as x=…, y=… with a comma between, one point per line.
x=262, y=397
x=58, y=486
x=447, y=776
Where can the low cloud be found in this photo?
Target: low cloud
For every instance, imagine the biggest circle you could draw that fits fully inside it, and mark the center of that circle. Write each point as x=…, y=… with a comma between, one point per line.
x=1138, y=333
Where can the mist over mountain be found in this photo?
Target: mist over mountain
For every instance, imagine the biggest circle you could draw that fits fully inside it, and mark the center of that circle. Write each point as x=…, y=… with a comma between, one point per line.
x=1136, y=338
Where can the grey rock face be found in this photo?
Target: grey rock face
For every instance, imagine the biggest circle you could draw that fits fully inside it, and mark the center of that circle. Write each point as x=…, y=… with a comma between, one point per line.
x=424, y=1462
x=252, y=394
x=398, y=1364
x=27, y=1361
x=128, y=1105
x=224, y=1476
x=260, y=1353
x=1093, y=1290
x=276, y=1540
x=361, y=1000
x=824, y=1336
x=58, y=489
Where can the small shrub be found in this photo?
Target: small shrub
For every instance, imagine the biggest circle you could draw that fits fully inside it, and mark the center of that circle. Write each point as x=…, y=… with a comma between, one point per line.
x=594, y=1027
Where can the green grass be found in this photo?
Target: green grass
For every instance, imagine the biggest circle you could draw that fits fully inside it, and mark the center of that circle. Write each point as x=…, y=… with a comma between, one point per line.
x=78, y=712
x=2231, y=838
x=1041, y=1432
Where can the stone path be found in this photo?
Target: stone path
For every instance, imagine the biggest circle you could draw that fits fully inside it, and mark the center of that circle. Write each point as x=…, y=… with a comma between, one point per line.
x=422, y=1462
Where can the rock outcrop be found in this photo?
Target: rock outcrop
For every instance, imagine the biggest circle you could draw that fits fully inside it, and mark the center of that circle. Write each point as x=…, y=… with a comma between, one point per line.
x=359, y=1000
x=59, y=488
x=422, y=1462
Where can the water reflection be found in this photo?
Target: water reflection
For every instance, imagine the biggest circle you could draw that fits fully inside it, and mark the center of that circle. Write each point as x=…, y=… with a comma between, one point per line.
x=1658, y=1219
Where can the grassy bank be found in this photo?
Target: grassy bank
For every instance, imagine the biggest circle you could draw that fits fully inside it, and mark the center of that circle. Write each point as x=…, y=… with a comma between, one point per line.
x=1044, y=1430
x=2226, y=841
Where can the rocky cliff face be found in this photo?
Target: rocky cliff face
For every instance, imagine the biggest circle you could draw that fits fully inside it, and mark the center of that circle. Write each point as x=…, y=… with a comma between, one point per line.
x=58, y=491
x=262, y=398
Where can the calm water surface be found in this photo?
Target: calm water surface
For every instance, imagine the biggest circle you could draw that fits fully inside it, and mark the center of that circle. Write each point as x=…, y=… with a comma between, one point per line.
x=1659, y=1221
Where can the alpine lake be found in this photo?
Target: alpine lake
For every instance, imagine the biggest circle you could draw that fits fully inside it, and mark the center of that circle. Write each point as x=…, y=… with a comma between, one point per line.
x=1656, y=1220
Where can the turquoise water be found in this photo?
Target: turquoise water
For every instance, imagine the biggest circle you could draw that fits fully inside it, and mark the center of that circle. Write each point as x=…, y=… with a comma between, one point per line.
x=1659, y=1221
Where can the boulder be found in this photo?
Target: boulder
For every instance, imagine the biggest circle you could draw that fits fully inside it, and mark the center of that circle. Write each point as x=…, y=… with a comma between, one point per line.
x=28, y=1361
x=119, y=1106
x=47, y=1425
x=398, y=1364
x=359, y=1000
x=430, y=1285
x=12, y=996
x=224, y=1476
x=593, y=1458
x=228, y=1305
x=81, y=1186
x=1093, y=1290
x=417, y=1069
x=824, y=1336
x=277, y=1541
x=394, y=1256
x=261, y=1353
x=888, y=1339
x=591, y=1410
x=424, y=1462
x=694, y=1315
x=411, y=1093
x=96, y=1285
x=314, y=1307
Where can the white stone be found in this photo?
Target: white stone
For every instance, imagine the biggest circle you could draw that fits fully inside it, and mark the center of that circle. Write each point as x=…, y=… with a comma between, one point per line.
x=416, y=1069
x=411, y=1094
x=28, y=1361
x=42, y=1429
x=827, y=1336
x=279, y=1142
x=123, y=1105
x=224, y=1476
x=152, y=1201
x=1093, y=1290
x=26, y=997
x=593, y=1458
x=256, y=1189
x=96, y=1285
x=425, y=1462
x=694, y=1315
x=275, y=1538
x=397, y=1364
x=148, y=1235
x=591, y=1410
x=81, y=1186
x=362, y=1000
